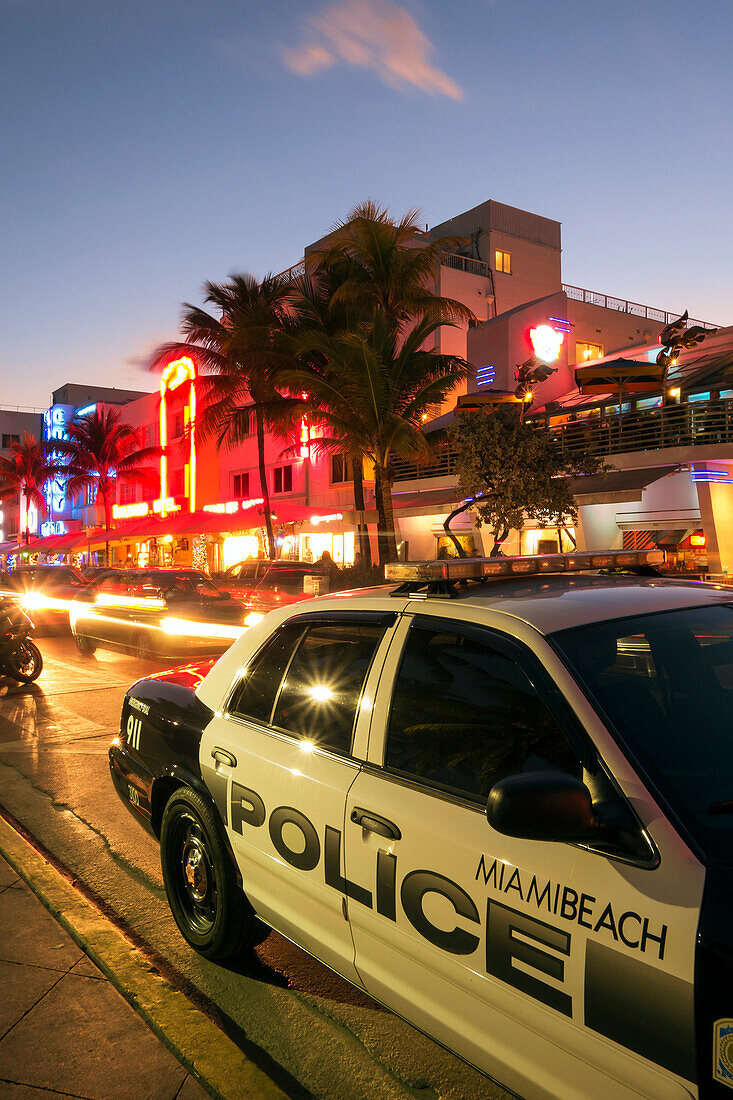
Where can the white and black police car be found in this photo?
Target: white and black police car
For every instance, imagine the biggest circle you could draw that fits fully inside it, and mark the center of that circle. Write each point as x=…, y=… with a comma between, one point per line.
x=499, y=798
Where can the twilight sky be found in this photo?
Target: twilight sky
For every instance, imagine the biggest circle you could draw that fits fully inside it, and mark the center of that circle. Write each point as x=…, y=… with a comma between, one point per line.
x=149, y=145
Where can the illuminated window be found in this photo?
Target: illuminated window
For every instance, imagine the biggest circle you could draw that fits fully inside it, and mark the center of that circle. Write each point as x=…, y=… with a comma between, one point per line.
x=283, y=479
x=178, y=424
x=503, y=261
x=128, y=493
x=240, y=486
x=176, y=483
x=151, y=435
x=584, y=352
x=341, y=469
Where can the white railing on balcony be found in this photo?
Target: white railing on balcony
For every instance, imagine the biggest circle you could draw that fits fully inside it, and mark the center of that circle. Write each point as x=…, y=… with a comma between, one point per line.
x=466, y=263
x=621, y=305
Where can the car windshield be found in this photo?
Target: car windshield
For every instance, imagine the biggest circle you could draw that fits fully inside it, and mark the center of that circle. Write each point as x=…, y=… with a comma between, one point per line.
x=665, y=682
x=286, y=580
x=50, y=574
x=187, y=583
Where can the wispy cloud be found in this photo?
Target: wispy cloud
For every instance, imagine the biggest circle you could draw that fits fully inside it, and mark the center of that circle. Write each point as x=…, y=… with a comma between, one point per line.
x=371, y=34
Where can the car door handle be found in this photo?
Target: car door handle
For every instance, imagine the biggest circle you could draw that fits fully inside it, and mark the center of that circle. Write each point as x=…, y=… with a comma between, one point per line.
x=375, y=824
x=223, y=757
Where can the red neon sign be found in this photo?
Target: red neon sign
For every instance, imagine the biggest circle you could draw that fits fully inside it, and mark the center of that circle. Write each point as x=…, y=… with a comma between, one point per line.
x=173, y=376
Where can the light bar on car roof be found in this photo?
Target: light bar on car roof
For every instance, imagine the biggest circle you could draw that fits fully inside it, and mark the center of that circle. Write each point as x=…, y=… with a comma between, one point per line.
x=457, y=569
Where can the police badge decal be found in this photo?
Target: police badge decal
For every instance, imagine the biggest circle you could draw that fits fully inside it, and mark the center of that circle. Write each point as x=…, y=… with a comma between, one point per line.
x=723, y=1052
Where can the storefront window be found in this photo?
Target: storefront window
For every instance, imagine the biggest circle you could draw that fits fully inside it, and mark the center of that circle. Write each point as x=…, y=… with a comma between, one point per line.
x=446, y=547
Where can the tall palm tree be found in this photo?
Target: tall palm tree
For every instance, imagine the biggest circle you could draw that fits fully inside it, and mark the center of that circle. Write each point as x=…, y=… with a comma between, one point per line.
x=362, y=340
x=370, y=391
x=241, y=353
x=25, y=472
x=101, y=448
x=390, y=266
x=318, y=309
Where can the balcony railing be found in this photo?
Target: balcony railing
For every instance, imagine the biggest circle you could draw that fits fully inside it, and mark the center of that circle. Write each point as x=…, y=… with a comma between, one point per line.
x=621, y=305
x=696, y=424
x=465, y=263
x=688, y=425
x=449, y=259
x=443, y=464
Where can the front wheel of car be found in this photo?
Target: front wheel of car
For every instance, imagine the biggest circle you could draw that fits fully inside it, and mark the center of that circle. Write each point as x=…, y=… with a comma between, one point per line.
x=85, y=646
x=211, y=912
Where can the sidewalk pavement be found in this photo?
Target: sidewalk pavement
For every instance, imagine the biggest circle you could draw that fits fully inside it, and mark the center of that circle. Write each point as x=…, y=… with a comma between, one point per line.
x=64, y=1030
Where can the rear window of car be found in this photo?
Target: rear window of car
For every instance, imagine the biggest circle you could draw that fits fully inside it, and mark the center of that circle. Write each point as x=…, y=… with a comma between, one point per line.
x=286, y=580
x=664, y=683
x=307, y=680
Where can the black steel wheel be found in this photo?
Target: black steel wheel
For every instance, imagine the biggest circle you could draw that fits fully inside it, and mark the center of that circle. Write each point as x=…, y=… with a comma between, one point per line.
x=85, y=645
x=211, y=912
x=25, y=662
x=144, y=646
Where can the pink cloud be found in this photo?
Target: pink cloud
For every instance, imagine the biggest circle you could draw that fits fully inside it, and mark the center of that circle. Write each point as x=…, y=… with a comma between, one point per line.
x=371, y=34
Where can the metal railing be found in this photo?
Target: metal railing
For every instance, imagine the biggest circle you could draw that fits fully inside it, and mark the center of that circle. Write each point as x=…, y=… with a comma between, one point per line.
x=443, y=464
x=621, y=305
x=694, y=424
x=688, y=425
x=466, y=263
x=449, y=259
x=20, y=409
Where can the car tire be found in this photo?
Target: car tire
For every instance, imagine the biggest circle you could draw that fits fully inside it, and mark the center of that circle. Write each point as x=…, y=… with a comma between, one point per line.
x=143, y=646
x=211, y=911
x=85, y=646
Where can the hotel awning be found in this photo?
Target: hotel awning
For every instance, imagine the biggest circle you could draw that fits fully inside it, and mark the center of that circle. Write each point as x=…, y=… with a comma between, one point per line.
x=430, y=501
x=617, y=486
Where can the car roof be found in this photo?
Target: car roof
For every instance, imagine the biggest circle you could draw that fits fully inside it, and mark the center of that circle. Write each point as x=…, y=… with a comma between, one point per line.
x=547, y=603
x=559, y=602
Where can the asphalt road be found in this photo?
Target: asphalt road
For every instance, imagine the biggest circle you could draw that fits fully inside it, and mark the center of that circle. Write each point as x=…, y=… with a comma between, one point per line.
x=317, y=1034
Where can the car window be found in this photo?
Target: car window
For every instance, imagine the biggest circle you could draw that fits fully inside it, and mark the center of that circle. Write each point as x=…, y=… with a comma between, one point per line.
x=322, y=687
x=112, y=584
x=465, y=715
x=254, y=696
x=290, y=581
x=665, y=683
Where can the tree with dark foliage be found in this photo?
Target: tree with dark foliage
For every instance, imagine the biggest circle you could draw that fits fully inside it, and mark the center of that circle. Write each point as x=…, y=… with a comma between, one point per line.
x=514, y=470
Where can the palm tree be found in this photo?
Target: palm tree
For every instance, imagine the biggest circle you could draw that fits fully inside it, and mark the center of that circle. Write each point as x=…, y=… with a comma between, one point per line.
x=101, y=448
x=371, y=390
x=366, y=312
x=25, y=472
x=391, y=266
x=318, y=309
x=241, y=352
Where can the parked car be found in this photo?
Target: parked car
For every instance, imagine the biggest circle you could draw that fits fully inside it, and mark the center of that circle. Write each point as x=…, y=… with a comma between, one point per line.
x=46, y=592
x=503, y=807
x=287, y=582
x=156, y=612
x=242, y=578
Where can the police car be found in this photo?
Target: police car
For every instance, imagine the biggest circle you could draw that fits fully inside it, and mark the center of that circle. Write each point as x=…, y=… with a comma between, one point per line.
x=496, y=794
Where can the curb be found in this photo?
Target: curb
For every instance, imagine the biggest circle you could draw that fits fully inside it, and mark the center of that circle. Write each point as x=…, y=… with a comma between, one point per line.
x=217, y=1062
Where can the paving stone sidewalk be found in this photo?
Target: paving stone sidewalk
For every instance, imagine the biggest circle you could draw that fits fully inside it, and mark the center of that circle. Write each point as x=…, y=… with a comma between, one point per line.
x=64, y=1030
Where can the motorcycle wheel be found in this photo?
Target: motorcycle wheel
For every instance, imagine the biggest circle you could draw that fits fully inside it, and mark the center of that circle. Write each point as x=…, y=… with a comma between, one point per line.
x=25, y=662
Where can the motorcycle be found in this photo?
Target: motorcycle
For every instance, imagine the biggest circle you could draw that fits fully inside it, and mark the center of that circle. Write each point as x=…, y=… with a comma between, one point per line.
x=20, y=658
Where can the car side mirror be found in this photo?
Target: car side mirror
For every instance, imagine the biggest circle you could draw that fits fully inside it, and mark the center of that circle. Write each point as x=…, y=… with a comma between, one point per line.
x=225, y=595
x=542, y=805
